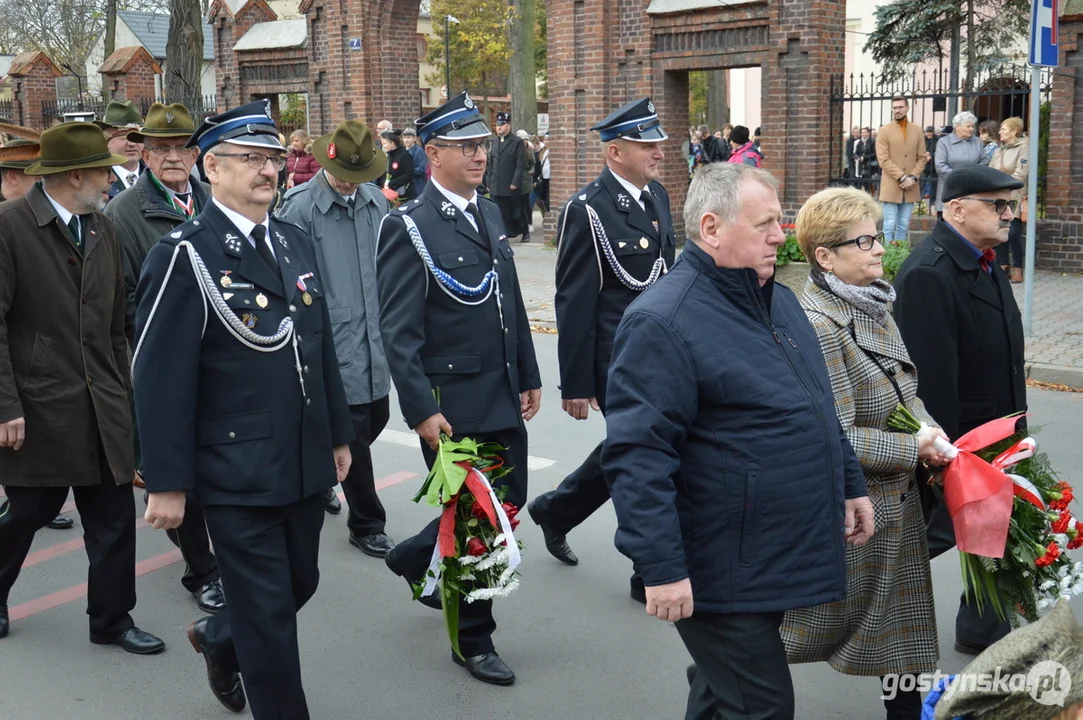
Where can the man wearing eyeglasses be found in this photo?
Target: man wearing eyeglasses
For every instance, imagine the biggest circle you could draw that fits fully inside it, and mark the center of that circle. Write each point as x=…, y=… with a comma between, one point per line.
x=163, y=197
x=240, y=402
x=457, y=338
x=962, y=327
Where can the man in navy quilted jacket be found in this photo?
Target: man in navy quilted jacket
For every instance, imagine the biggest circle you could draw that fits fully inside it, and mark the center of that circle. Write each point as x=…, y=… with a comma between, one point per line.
x=735, y=488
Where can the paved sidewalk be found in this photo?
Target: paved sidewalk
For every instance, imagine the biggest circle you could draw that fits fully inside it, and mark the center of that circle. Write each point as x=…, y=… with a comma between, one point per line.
x=1054, y=350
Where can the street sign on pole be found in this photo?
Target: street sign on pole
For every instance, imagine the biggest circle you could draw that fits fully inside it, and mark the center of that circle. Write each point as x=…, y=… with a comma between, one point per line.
x=1044, y=15
x=1044, y=52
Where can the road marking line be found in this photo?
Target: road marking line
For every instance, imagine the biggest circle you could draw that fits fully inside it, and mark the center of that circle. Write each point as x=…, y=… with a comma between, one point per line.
x=409, y=439
x=72, y=594
x=64, y=548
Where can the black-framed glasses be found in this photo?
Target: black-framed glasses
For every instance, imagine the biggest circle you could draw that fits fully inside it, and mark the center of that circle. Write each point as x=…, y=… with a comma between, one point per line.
x=1000, y=204
x=865, y=242
x=469, y=148
x=257, y=161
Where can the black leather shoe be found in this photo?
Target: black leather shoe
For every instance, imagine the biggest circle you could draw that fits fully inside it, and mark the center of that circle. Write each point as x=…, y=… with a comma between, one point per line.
x=637, y=591
x=376, y=545
x=331, y=502
x=488, y=668
x=969, y=648
x=4, y=623
x=225, y=683
x=557, y=545
x=61, y=522
x=210, y=598
x=393, y=564
x=133, y=640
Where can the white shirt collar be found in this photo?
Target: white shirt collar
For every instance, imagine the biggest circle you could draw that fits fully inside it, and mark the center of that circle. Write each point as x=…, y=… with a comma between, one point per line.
x=457, y=200
x=122, y=174
x=632, y=189
x=245, y=225
x=62, y=212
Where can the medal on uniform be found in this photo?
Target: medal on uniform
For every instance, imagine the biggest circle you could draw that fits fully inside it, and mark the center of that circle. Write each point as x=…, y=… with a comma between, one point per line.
x=644, y=243
x=249, y=320
x=226, y=281
x=306, y=299
x=261, y=300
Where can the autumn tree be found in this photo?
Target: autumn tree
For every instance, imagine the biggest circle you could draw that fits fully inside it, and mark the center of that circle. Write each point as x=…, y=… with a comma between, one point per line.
x=481, y=47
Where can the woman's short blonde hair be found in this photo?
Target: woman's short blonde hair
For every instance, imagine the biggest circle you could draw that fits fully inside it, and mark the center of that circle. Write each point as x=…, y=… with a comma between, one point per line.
x=1015, y=124
x=827, y=216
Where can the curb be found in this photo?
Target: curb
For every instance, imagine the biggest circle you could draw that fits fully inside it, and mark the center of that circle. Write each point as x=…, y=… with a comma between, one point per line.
x=1055, y=374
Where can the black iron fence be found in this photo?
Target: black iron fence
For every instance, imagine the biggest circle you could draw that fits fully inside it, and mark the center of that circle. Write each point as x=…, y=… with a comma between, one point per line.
x=53, y=111
x=7, y=111
x=863, y=101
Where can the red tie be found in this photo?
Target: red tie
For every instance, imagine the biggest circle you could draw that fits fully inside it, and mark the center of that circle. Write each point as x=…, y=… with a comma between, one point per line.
x=988, y=257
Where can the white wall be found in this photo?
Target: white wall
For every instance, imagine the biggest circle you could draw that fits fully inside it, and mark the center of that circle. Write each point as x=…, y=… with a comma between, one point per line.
x=124, y=38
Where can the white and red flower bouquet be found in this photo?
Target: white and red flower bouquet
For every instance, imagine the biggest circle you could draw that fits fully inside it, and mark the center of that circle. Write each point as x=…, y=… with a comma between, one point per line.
x=476, y=554
x=1011, y=518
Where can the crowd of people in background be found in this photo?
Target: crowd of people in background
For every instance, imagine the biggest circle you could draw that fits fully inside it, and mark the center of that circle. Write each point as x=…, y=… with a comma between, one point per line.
x=731, y=143
x=888, y=161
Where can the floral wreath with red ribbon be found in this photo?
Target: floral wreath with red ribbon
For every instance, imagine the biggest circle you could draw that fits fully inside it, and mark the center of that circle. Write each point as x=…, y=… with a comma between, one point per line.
x=476, y=553
x=1011, y=518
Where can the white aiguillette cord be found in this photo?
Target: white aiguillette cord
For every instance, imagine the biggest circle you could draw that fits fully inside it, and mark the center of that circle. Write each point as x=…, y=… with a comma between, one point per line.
x=210, y=292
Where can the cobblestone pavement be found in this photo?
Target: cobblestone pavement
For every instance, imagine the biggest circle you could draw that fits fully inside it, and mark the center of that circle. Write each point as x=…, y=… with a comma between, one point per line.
x=1054, y=349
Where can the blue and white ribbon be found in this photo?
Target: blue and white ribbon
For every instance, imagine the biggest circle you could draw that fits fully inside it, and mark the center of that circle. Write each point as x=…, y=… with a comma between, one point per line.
x=460, y=293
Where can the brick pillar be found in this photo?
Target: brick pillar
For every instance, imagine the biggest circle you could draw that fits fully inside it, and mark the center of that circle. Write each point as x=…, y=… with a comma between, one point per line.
x=129, y=74
x=581, y=45
x=807, y=37
x=1060, y=243
x=33, y=80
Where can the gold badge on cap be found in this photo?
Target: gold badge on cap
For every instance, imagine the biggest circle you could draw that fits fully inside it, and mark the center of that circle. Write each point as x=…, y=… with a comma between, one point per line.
x=306, y=299
x=261, y=300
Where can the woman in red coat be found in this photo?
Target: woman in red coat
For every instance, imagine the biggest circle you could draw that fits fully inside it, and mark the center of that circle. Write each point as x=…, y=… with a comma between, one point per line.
x=301, y=166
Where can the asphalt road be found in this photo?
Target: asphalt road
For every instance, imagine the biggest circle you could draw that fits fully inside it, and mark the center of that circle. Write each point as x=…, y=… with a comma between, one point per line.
x=582, y=650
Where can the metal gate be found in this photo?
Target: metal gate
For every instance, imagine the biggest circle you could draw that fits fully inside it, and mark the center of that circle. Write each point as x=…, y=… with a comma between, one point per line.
x=864, y=101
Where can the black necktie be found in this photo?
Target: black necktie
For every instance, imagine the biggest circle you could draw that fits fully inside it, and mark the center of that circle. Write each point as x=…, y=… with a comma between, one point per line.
x=259, y=234
x=648, y=206
x=476, y=214
x=73, y=228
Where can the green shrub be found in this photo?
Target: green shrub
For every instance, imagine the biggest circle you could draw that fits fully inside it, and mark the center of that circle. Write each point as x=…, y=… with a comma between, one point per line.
x=894, y=254
x=789, y=252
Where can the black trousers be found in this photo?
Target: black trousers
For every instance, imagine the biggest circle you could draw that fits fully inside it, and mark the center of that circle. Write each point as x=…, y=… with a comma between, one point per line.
x=268, y=557
x=107, y=512
x=970, y=625
x=366, y=515
x=741, y=670
x=476, y=624
x=1012, y=248
x=511, y=209
x=527, y=211
x=580, y=494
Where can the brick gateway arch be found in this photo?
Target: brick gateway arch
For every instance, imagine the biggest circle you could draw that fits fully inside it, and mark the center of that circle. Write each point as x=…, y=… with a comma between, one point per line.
x=358, y=59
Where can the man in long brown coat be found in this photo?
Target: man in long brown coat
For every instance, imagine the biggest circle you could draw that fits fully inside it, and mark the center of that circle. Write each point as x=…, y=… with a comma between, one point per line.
x=64, y=415
x=900, y=150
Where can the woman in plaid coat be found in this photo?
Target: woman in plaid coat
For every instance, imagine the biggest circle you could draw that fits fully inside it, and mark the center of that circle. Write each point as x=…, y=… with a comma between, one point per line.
x=886, y=624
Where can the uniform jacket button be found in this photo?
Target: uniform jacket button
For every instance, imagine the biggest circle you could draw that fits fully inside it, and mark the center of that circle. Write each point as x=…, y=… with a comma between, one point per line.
x=460, y=258
x=306, y=369
x=450, y=366
x=232, y=435
x=293, y=308
x=308, y=401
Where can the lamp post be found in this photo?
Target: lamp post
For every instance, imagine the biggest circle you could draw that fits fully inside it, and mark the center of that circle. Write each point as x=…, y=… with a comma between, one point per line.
x=448, y=19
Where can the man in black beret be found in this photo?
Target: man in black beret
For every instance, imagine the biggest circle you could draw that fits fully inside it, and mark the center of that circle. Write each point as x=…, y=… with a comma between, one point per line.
x=962, y=326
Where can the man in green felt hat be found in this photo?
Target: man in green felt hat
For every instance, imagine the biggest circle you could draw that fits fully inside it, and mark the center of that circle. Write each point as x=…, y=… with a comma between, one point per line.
x=15, y=157
x=119, y=120
x=343, y=209
x=163, y=197
x=65, y=422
